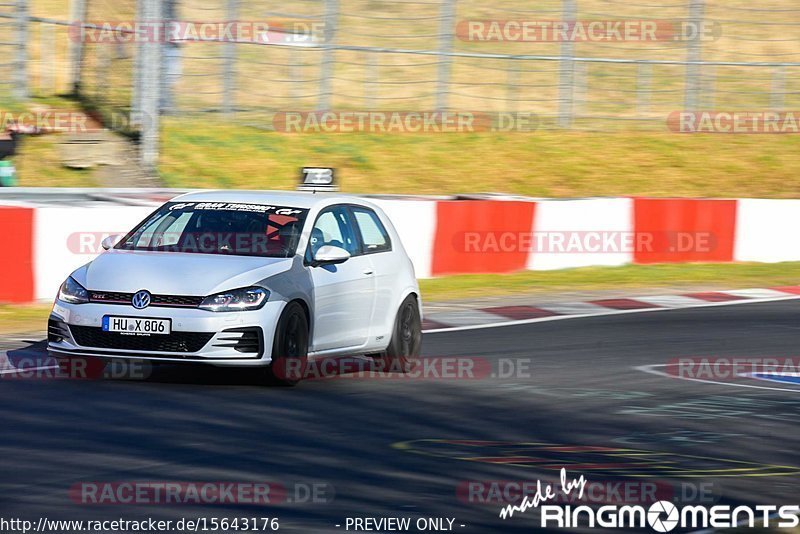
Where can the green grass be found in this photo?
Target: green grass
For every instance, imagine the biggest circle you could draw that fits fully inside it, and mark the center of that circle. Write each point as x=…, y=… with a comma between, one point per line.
x=204, y=151
x=33, y=318
x=38, y=165
x=629, y=277
x=38, y=159
x=27, y=318
x=198, y=153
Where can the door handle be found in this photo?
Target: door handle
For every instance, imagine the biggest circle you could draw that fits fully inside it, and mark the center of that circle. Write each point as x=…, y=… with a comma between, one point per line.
x=368, y=271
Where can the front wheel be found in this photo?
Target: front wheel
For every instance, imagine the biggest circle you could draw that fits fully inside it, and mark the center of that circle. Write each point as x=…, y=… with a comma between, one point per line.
x=290, y=346
x=403, y=351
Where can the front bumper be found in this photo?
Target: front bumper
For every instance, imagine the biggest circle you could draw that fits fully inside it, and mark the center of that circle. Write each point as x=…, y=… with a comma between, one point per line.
x=219, y=338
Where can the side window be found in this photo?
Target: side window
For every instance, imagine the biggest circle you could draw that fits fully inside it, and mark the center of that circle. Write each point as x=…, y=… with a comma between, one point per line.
x=373, y=234
x=332, y=227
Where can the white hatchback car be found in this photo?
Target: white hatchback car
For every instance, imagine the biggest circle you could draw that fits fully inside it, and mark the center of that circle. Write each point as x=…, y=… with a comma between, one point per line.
x=244, y=278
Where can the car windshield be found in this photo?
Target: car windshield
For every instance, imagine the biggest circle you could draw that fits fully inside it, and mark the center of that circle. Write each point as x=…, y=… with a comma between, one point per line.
x=219, y=228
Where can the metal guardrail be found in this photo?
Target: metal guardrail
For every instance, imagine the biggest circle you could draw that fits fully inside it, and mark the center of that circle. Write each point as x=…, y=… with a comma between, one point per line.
x=86, y=196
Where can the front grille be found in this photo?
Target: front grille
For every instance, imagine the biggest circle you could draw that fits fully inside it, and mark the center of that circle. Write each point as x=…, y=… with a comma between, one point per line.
x=56, y=330
x=167, y=301
x=90, y=336
x=183, y=301
x=111, y=298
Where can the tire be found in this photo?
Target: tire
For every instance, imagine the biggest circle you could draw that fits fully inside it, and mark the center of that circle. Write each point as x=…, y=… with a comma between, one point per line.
x=402, y=354
x=290, y=346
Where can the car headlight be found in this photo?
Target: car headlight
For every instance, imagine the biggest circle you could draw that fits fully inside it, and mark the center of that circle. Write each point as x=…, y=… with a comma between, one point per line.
x=72, y=292
x=247, y=298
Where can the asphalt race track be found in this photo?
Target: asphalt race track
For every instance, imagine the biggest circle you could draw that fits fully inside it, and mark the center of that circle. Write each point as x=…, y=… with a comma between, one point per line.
x=390, y=447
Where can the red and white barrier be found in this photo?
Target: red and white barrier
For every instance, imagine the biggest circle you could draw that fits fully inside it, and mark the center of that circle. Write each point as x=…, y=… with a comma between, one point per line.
x=765, y=230
x=611, y=219
x=684, y=230
x=416, y=229
x=16, y=244
x=480, y=236
x=41, y=245
x=66, y=238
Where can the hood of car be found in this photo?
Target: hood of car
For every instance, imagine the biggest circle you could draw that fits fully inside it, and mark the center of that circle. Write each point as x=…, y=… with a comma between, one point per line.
x=171, y=273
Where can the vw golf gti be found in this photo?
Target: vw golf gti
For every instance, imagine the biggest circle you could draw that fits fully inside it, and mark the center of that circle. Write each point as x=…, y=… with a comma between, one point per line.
x=246, y=279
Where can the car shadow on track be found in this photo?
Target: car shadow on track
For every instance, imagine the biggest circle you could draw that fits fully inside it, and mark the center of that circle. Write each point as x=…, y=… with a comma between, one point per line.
x=34, y=362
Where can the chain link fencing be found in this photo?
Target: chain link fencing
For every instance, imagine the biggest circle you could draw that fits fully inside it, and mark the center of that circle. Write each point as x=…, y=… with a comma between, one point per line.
x=506, y=56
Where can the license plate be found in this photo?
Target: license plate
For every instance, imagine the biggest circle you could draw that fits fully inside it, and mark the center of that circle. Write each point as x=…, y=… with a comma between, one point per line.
x=136, y=325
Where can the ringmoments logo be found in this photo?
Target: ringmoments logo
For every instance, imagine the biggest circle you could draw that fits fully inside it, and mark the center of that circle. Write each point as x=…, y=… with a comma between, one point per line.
x=660, y=516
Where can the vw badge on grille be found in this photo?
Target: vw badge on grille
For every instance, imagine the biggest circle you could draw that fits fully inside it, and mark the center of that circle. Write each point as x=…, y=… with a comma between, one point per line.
x=141, y=300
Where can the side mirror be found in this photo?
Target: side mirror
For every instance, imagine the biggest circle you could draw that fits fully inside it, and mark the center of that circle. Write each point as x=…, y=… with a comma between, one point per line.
x=330, y=255
x=110, y=241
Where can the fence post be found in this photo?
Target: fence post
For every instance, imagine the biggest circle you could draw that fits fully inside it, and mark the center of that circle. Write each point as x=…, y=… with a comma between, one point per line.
x=708, y=84
x=694, y=54
x=579, y=93
x=778, y=89
x=326, y=67
x=295, y=74
x=20, y=71
x=138, y=51
x=170, y=59
x=150, y=73
x=47, y=59
x=102, y=64
x=512, y=81
x=644, y=83
x=77, y=13
x=371, y=83
x=229, y=67
x=566, y=77
x=446, y=21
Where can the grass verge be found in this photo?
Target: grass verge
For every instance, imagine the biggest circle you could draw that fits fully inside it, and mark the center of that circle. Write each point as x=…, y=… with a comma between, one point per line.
x=23, y=318
x=709, y=276
x=38, y=161
x=202, y=153
x=32, y=318
x=197, y=153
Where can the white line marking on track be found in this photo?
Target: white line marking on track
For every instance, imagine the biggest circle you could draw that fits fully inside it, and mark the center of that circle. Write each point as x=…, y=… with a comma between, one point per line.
x=465, y=317
x=755, y=293
x=26, y=370
x=672, y=301
x=573, y=308
x=605, y=311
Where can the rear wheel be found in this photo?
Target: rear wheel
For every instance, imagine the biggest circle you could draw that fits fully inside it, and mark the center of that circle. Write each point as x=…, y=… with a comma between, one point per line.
x=290, y=346
x=403, y=351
